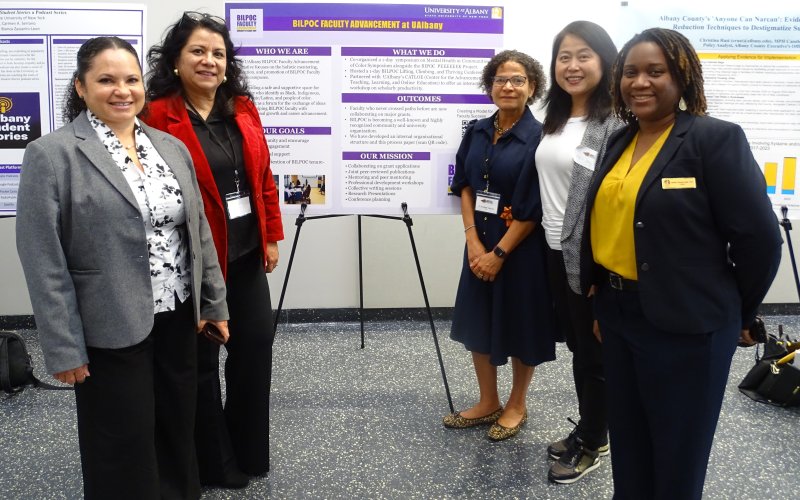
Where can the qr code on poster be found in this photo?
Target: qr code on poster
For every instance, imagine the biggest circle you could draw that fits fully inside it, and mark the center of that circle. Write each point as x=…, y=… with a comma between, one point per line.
x=464, y=125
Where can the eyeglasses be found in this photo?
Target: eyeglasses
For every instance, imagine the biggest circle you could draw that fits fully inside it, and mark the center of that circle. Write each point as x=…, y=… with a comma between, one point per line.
x=200, y=16
x=516, y=81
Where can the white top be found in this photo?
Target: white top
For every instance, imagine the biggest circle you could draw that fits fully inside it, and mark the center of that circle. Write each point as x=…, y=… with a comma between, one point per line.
x=554, y=160
x=161, y=203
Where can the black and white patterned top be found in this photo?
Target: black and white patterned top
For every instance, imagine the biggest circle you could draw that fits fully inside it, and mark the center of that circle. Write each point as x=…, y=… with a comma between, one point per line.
x=161, y=204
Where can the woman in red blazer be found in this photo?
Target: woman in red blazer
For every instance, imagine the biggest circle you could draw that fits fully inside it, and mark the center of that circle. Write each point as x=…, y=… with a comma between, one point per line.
x=198, y=95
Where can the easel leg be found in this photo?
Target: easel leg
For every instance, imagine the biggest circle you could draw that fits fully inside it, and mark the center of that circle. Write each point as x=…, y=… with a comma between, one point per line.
x=409, y=223
x=360, y=283
x=787, y=226
x=299, y=223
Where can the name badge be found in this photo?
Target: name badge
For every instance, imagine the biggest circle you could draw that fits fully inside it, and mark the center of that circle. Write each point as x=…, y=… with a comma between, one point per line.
x=237, y=204
x=585, y=157
x=679, y=183
x=487, y=202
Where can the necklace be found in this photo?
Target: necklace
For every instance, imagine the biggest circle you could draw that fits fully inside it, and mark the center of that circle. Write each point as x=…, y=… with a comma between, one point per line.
x=498, y=128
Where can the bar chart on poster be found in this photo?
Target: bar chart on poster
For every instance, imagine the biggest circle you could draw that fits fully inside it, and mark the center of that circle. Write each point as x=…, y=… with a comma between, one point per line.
x=781, y=177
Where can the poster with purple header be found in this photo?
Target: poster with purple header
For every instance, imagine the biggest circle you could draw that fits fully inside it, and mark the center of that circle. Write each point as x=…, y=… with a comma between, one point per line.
x=38, y=44
x=364, y=105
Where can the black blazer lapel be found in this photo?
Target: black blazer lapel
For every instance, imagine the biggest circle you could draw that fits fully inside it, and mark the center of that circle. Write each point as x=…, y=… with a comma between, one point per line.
x=682, y=124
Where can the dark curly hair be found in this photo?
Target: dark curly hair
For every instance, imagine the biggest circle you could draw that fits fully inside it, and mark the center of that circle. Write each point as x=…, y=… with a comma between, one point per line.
x=532, y=67
x=73, y=104
x=558, y=101
x=161, y=59
x=683, y=64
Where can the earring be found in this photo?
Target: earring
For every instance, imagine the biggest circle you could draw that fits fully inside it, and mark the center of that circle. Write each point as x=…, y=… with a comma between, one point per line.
x=682, y=104
x=175, y=71
x=629, y=114
x=224, y=79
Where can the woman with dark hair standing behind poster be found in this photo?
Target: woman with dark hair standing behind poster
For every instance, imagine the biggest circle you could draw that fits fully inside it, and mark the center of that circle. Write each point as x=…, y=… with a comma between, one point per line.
x=576, y=128
x=198, y=94
x=682, y=245
x=503, y=306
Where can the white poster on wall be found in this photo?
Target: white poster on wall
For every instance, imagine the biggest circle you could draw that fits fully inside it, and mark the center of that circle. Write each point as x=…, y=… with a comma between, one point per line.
x=751, y=69
x=38, y=45
x=363, y=105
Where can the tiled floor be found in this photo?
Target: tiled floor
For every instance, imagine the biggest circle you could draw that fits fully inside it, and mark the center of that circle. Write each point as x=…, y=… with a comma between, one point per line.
x=353, y=423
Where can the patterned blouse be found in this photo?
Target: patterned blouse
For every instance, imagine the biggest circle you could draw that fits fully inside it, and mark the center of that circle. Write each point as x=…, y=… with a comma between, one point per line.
x=161, y=204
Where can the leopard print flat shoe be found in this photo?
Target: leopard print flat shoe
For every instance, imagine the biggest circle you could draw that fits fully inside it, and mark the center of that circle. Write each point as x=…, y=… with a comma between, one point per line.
x=456, y=421
x=498, y=432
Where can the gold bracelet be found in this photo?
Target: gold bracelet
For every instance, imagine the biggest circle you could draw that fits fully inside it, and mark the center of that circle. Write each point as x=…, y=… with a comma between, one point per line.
x=469, y=227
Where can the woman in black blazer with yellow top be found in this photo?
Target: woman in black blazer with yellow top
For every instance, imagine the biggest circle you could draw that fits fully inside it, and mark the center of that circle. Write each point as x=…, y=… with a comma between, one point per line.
x=682, y=246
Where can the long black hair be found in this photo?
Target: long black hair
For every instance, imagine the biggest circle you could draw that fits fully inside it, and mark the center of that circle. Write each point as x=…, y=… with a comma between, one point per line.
x=683, y=64
x=161, y=59
x=558, y=102
x=74, y=105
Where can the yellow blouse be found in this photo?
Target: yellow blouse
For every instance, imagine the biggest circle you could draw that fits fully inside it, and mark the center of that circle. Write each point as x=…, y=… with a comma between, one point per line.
x=612, y=214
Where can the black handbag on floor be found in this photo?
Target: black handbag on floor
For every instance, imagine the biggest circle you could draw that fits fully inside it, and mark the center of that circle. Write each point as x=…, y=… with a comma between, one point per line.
x=770, y=382
x=16, y=367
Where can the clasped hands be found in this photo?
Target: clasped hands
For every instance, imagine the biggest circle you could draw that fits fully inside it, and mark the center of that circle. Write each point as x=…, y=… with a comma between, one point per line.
x=484, y=265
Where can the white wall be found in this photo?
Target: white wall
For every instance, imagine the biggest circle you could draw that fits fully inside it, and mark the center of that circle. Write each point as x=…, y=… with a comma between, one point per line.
x=325, y=273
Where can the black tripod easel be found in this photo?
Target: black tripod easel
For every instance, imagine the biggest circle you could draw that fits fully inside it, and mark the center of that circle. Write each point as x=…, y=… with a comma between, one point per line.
x=301, y=218
x=787, y=226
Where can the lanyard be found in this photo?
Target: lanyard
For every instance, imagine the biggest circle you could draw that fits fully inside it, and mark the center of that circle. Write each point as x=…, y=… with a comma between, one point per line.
x=487, y=164
x=214, y=138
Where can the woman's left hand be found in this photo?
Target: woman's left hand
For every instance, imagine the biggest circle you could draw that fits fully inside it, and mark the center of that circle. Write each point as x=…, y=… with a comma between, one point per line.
x=272, y=256
x=745, y=339
x=486, y=266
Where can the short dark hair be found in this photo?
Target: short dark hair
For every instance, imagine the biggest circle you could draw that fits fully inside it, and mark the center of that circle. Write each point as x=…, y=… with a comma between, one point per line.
x=558, y=101
x=532, y=69
x=684, y=67
x=161, y=59
x=74, y=105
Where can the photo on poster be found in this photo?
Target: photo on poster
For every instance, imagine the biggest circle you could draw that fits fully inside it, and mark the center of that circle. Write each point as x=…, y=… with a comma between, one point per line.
x=308, y=189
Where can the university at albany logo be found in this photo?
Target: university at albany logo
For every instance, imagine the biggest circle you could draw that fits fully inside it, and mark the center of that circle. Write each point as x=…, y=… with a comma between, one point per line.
x=20, y=120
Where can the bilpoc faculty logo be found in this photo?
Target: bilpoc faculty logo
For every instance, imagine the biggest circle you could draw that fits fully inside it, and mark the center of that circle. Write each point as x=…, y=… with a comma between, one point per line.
x=246, y=21
x=19, y=119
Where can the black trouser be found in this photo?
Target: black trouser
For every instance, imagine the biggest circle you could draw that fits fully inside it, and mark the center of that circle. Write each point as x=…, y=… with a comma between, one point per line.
x=665, y=393
x=575, y=319
x=239, y=435
x=136, y=414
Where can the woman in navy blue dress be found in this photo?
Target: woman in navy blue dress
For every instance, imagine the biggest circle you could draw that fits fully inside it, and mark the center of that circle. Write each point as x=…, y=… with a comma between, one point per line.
x=503, y=307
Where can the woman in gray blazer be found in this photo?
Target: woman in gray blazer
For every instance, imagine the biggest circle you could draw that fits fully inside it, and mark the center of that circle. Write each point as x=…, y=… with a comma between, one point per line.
x=121, y=271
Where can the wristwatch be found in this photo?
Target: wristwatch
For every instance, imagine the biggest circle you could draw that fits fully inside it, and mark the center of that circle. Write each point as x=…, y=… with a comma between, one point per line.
x=500, y=252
